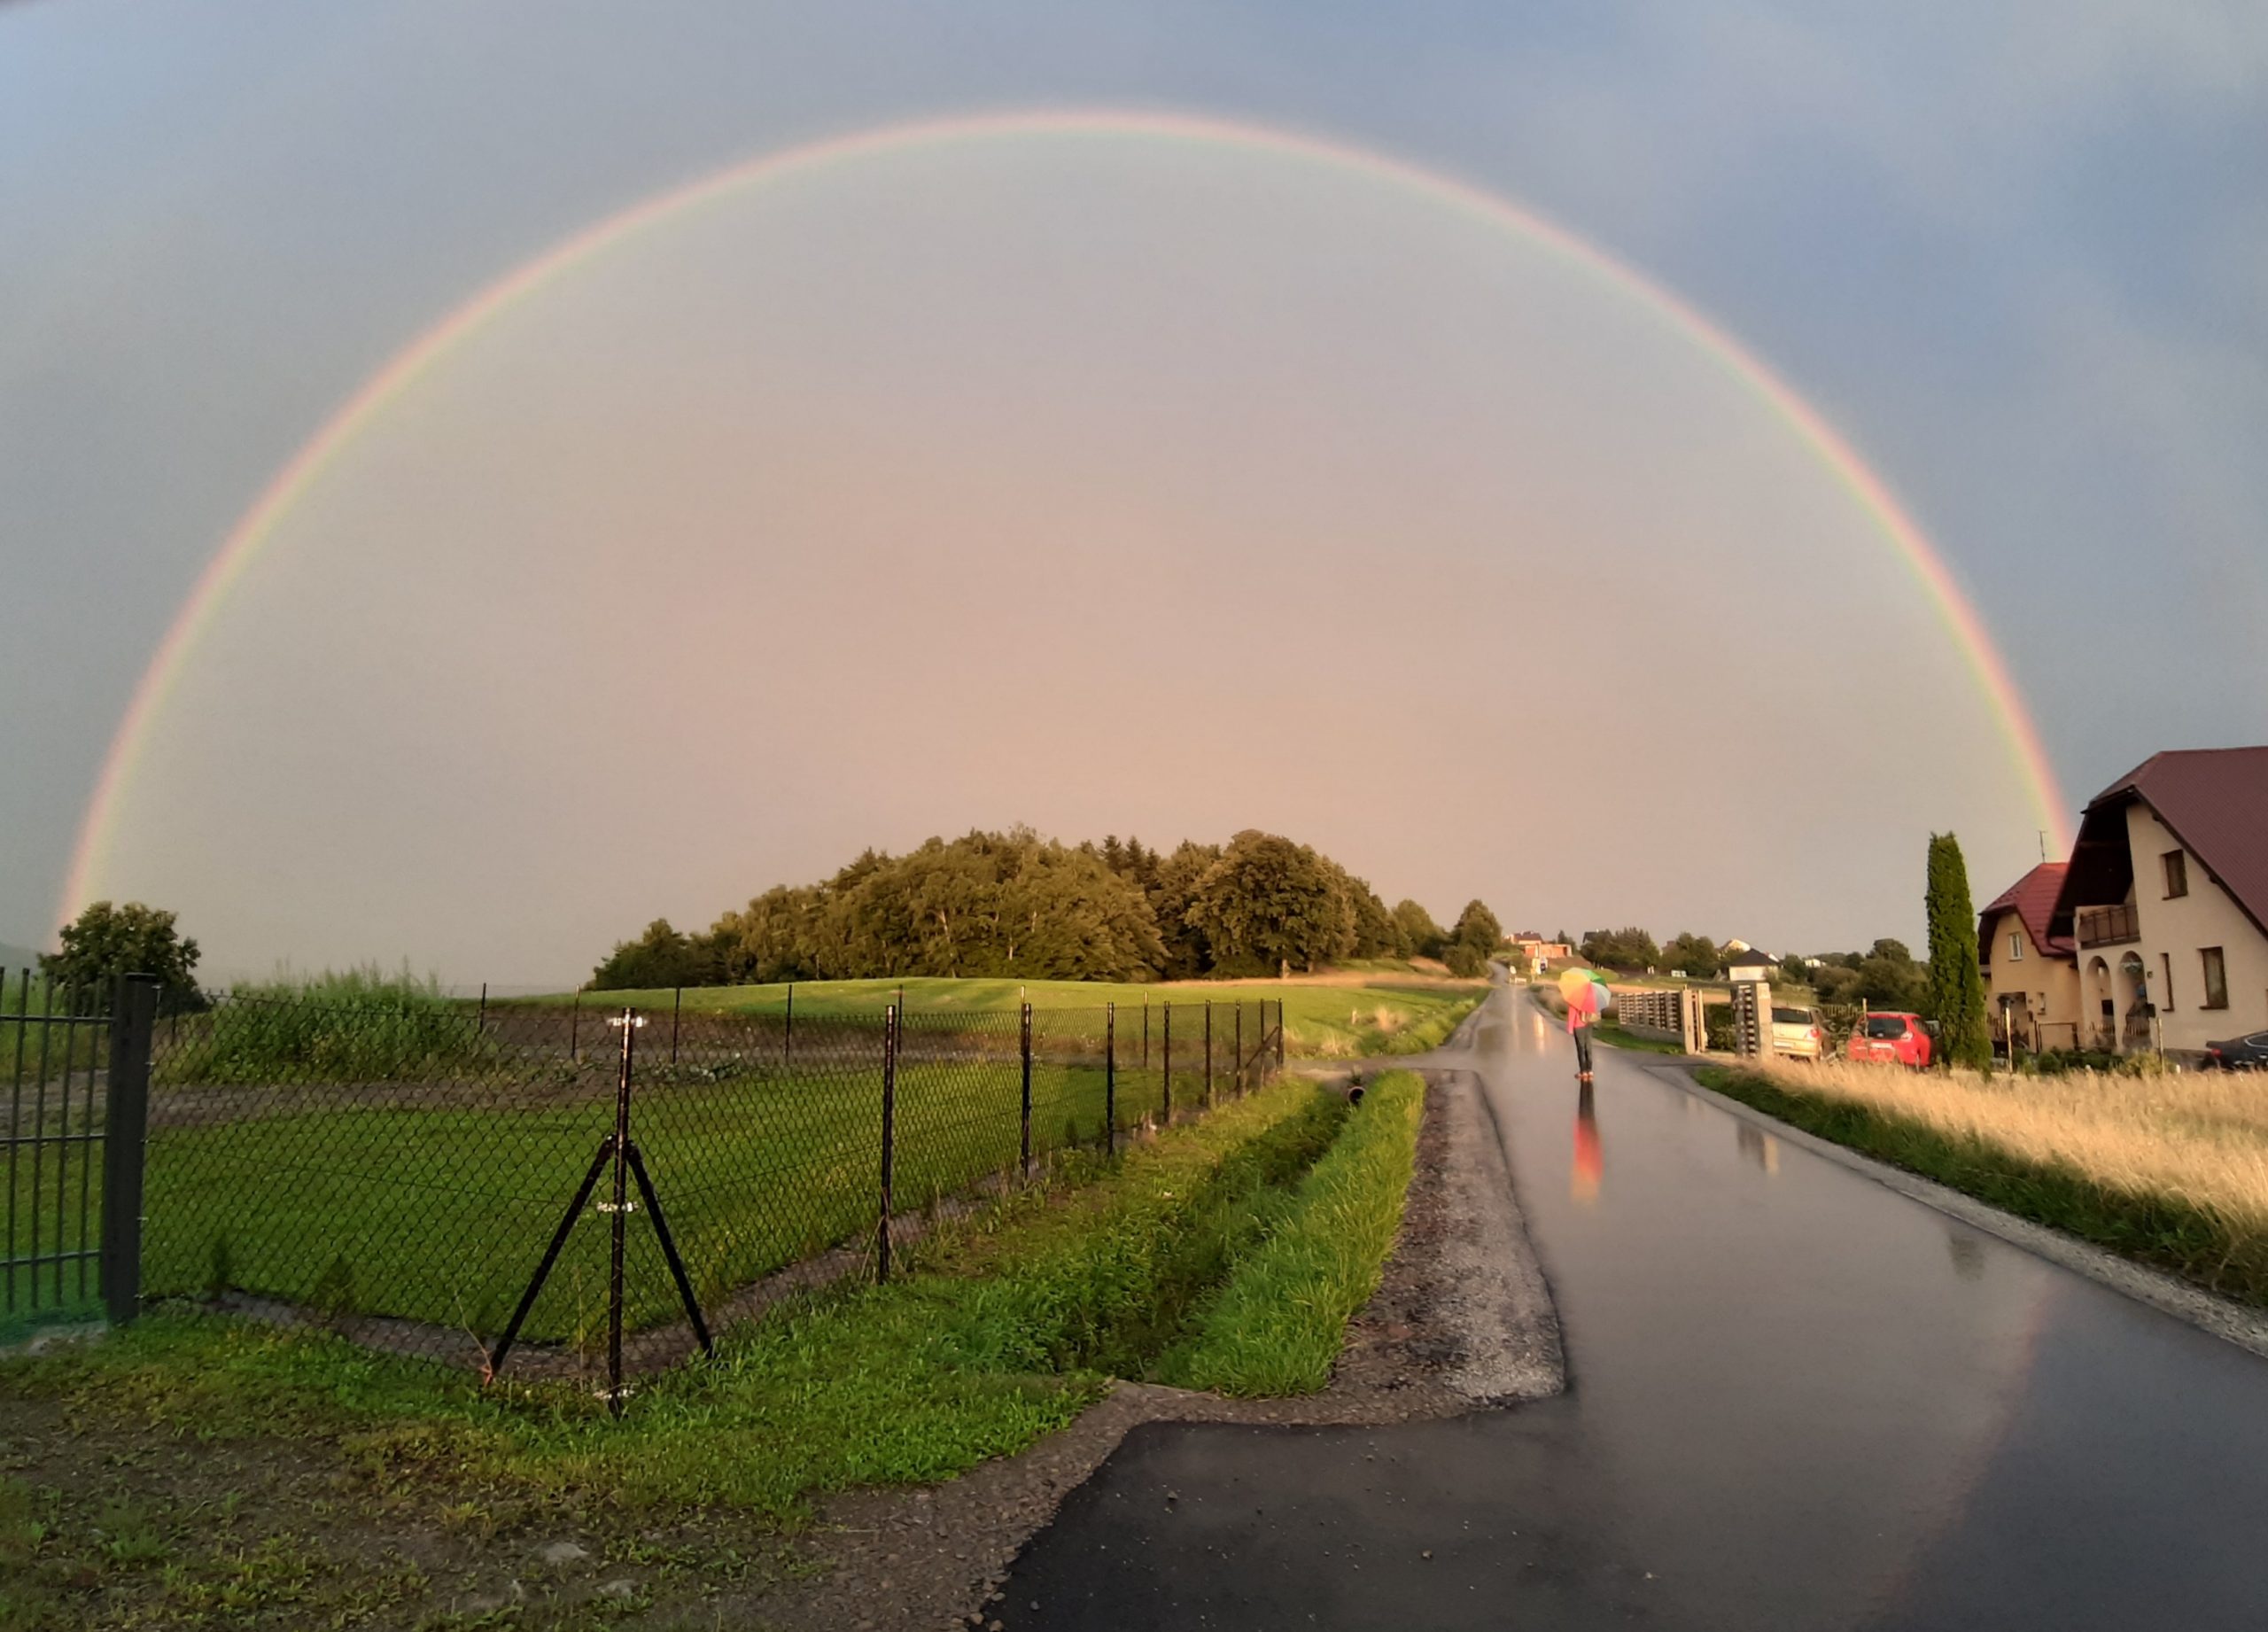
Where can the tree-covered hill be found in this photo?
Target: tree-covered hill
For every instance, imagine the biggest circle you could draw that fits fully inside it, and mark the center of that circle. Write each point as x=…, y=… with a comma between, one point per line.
x=1016, y=903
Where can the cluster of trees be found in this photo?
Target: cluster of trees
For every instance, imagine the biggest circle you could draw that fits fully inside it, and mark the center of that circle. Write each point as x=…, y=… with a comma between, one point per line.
x=106, y=940
x=1886, y=976
x=1015, y=904
x=1630, y=949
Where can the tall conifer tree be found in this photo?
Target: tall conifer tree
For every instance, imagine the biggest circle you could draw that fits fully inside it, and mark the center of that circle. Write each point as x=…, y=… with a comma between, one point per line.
x=1956, y=989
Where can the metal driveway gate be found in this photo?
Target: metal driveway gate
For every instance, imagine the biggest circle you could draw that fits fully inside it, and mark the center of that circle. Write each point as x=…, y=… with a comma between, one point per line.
x=75, y=1063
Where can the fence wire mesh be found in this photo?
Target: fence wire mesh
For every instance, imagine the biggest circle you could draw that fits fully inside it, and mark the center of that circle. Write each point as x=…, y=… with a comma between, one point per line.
x=400, y=1173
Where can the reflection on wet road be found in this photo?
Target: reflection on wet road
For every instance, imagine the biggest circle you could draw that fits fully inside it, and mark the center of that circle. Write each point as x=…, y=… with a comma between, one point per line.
x=1797, y=1399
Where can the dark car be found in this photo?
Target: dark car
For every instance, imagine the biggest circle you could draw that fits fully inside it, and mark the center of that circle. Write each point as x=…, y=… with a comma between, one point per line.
x=2239, y=1053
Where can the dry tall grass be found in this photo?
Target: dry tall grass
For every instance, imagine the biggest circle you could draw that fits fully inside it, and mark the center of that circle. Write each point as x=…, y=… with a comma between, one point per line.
x=2198, y=1137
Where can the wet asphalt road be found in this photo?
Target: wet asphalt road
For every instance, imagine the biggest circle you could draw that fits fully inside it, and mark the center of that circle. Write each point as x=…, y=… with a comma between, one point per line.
x=1795, y=1399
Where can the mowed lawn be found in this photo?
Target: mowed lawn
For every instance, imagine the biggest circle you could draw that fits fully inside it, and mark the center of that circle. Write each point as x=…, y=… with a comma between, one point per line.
x=438, y=1212
x=1371, y=1015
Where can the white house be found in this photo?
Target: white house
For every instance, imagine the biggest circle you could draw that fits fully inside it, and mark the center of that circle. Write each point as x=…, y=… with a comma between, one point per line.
x=2165, y=903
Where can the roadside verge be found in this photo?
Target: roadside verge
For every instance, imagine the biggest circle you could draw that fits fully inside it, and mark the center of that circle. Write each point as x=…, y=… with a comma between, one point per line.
x=1821, y=1129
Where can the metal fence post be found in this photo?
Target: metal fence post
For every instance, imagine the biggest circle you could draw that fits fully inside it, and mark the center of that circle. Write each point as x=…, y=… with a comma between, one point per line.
x=677, y=1008
x=482, y=1024
x=1209, y=1053
x=1240, y=1048
x=1024, y=1158
x=1110, y=1078
x=126, y=1116
x=1165, y=1079
x=1279, y=1034
x=788, y=1045
x=621, y=1220
x=574, y=1024
x=890, y=1137
x=1145, y=1030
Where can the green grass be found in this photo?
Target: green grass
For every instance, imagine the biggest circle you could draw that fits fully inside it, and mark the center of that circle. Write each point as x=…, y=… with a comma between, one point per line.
x=2193, y=1242
x=359, y=1025
x=66, y=1564
x=194, y=1470
x=1004, y=1328
x=1277, y=1326
x=437, y=1210
x=1322, y=1018
x=36, y=1296
x=1615, y=1036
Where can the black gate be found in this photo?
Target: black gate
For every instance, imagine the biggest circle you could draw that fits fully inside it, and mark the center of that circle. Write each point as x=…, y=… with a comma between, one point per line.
x=74, y=1066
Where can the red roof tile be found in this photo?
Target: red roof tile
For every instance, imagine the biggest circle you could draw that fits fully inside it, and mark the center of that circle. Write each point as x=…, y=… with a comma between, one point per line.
x=2033, y=899
x=2215, y=800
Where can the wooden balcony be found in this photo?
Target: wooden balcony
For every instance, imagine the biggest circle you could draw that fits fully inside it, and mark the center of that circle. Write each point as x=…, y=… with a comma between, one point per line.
x=2106, y=925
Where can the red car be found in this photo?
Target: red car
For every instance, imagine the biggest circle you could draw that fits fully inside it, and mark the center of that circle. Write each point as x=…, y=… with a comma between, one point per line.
x=1892, y=1040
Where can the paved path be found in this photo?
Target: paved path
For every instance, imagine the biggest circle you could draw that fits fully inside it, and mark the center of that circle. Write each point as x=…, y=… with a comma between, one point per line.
x=1797, y=1399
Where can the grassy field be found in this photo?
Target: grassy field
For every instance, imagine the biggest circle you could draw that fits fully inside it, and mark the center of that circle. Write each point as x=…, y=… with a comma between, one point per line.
x=1374, y=1014
x=432, y=1201
x=437, y=1213
x=336, y=1487
x=2171, y=1169
x=1275, y=1327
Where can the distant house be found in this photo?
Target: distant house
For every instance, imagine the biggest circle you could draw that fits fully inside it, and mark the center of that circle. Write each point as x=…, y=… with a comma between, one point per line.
x=2165, y=903
x=2032, y=977
x=1749, y=963
x=1531, y=951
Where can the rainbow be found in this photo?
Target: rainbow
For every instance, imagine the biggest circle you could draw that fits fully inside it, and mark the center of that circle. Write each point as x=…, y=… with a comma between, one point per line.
x=428, y=351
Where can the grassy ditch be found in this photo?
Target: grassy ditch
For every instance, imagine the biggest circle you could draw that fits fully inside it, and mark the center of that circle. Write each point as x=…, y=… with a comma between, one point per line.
x=2169, y=1170
x=1277, y=1325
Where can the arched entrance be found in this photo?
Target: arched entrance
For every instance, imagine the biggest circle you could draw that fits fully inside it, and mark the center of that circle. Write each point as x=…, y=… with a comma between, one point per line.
x=2101, y=1008
x=2134, y=1003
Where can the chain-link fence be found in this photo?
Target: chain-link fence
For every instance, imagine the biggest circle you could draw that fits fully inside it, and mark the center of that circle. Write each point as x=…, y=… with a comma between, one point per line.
x=574, y=1189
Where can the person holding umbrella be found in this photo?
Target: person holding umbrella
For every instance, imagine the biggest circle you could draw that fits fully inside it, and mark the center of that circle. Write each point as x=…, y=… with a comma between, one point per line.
x=1587, y=1000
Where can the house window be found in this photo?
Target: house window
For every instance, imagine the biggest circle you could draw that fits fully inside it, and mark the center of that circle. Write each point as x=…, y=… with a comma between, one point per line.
x=2015, y=947
x=2165, y=992
x=2177, y=873
x=2216, y=977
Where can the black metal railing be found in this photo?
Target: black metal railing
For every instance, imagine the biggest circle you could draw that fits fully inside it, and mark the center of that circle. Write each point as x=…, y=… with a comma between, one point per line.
x=2106, y=925
x=75, y=1062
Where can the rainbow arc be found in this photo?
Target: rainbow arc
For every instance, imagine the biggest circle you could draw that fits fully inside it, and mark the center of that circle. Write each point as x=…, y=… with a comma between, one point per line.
x=383, y=390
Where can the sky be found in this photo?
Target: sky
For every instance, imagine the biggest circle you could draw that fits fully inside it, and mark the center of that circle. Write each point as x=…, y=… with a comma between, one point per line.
x=1109, y=484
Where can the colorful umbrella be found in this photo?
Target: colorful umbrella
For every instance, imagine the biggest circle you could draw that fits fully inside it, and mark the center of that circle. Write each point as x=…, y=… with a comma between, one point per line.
x=1585, y=992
